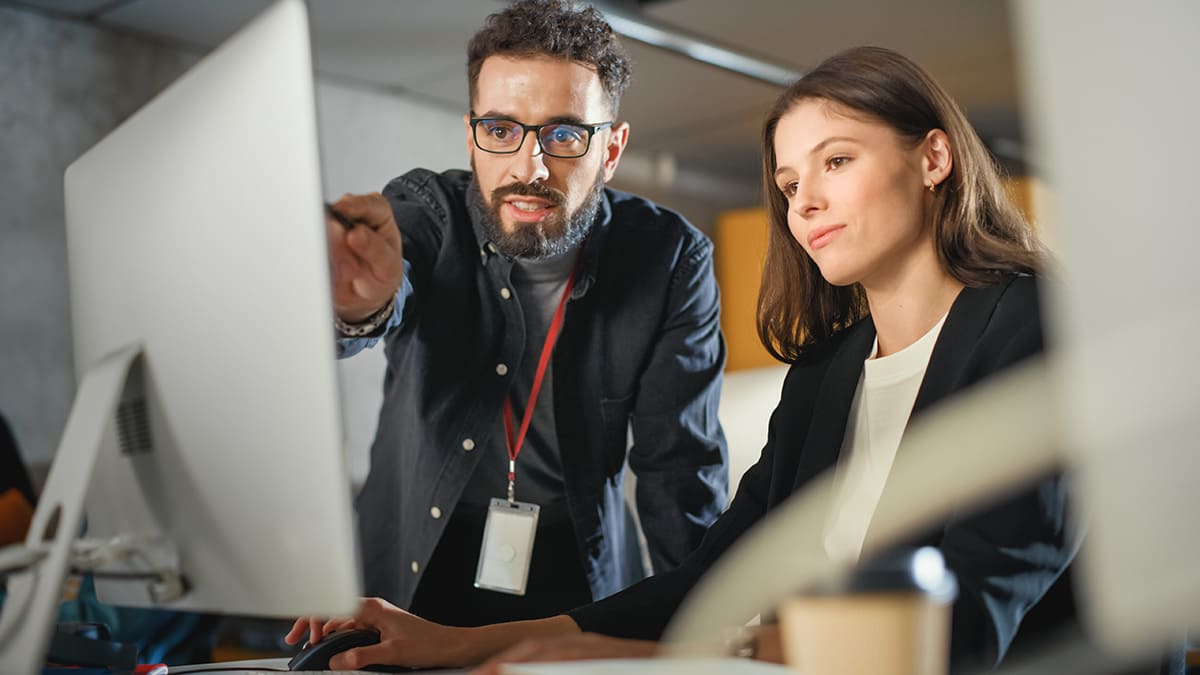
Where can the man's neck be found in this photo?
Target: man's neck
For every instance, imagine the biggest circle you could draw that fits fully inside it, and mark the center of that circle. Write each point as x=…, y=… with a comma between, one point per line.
x=552, y=268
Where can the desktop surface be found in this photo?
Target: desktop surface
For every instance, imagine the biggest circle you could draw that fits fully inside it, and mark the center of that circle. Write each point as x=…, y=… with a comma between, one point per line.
x=277, y=665
x=661, y=666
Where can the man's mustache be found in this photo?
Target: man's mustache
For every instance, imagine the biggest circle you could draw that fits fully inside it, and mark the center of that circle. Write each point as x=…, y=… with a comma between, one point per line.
x=538, y=190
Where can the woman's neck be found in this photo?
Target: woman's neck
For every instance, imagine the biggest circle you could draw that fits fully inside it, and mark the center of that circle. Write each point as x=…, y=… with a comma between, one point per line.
x=911, y=302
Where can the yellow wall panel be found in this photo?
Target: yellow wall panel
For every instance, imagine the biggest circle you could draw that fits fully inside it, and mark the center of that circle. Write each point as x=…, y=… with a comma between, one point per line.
x=741, y=246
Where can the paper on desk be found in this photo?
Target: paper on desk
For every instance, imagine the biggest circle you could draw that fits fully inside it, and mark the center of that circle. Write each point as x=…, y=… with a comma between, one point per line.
x=710, y=666
x=227, y=667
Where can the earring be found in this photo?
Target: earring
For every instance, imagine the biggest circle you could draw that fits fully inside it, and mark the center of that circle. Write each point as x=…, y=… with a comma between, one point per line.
x=932, y=186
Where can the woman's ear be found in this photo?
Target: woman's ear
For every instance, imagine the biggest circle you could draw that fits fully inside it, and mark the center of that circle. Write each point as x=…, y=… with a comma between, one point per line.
x=937, y=158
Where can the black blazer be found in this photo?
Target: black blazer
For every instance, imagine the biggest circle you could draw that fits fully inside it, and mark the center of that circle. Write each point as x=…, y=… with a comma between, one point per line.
x=1006, y=557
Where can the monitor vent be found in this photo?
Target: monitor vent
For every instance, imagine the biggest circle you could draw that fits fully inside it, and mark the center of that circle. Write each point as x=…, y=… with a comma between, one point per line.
x=133, y=426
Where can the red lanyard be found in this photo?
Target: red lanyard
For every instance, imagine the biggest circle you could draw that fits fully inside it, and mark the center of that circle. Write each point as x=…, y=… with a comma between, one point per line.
x=514, y=446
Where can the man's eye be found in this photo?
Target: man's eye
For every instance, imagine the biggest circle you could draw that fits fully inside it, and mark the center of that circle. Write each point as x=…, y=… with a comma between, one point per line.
x=564, y=135
x=500, y=131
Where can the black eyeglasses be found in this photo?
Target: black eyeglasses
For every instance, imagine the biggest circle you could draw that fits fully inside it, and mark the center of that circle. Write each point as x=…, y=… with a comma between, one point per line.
x=504, y=137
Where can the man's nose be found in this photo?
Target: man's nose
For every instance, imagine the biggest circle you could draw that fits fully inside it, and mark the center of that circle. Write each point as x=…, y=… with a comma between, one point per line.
x=529, y=165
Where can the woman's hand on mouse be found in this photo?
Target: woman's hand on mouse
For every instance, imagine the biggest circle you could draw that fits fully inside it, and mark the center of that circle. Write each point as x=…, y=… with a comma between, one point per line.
x=409, y=640
x=316, y=627
x=404, y=639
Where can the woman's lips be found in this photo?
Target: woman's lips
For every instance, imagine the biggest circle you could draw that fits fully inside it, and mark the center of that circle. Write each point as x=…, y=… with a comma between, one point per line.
x=819, y=237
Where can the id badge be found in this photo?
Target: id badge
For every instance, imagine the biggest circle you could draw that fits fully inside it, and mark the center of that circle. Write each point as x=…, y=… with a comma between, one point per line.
x=507, y=546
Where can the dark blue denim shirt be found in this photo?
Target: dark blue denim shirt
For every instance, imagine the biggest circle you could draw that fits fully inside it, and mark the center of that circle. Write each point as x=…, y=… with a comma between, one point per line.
x=640, y=356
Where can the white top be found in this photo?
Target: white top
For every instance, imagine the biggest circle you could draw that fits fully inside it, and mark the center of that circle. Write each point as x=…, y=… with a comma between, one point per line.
x=883, y=402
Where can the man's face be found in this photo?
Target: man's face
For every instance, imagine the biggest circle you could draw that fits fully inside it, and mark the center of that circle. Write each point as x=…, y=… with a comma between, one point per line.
x=540, y=205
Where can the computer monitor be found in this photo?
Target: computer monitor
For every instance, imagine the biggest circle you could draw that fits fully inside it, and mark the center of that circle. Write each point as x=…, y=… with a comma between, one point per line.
x=200, y=297
x=1113, y=112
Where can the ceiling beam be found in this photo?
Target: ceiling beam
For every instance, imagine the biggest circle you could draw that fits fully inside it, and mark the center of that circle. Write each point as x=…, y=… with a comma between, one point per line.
x=635, y=25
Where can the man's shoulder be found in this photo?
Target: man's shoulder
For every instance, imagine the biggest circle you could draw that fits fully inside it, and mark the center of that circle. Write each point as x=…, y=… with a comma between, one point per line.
x=433, y=189
x=648, y=221
x=429, y=206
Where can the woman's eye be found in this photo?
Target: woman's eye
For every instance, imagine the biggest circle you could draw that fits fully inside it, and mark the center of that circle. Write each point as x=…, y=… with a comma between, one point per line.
x=788, y=189
x=837, y=162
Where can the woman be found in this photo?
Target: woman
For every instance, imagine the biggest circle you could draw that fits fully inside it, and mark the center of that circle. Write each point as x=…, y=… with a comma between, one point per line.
x=898, y=273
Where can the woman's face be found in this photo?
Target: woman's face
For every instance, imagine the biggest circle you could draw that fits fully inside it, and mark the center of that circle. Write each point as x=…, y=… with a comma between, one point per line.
x=856, y=193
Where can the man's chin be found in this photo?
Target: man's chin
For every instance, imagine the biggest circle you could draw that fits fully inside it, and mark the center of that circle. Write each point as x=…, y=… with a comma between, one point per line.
x=547, y=227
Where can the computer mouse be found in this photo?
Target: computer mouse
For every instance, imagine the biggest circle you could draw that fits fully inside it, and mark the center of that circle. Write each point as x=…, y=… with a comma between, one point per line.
x=316, y=656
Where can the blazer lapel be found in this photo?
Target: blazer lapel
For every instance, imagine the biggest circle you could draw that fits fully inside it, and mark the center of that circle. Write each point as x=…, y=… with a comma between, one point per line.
x=823, y=442
x=966, y=321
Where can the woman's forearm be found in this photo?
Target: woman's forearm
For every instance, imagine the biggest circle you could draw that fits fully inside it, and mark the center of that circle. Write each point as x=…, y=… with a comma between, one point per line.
x=476, y=645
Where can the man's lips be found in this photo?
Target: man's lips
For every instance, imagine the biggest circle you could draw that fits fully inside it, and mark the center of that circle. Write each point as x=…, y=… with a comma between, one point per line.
x=528, y=209
x=819, y=237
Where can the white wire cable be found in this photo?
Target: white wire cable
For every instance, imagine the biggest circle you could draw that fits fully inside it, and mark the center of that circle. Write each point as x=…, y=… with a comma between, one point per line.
x=19, y=557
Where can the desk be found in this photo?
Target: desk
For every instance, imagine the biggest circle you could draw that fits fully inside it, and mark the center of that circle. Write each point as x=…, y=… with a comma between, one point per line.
x=715, y=666
x=261, y=666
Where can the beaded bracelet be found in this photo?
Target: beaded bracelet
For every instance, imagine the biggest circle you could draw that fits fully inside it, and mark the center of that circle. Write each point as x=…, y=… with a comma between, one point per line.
x=366, y=326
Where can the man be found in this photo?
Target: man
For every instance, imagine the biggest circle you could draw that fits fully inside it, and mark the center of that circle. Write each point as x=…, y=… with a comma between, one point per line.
x=533, y=318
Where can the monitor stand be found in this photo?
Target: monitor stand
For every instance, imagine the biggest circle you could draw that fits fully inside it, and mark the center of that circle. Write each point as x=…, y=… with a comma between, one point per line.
x=30, y=610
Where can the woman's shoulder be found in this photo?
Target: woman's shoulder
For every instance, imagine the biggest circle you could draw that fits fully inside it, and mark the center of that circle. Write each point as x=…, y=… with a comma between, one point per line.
x=1023, y=286
x=1010, y=326
x=1018, y=300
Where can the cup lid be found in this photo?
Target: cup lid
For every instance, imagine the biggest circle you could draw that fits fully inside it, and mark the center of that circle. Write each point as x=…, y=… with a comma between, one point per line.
x=921, y=570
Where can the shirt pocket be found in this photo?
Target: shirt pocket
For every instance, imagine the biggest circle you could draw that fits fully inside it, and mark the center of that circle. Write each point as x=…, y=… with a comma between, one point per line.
x=615, y=433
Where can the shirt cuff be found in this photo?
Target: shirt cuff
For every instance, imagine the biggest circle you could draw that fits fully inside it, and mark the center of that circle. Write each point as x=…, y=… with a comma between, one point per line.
x=349, y=346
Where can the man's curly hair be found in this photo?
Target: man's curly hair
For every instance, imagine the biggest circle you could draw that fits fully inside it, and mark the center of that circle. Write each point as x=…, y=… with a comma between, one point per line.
x=553, y=28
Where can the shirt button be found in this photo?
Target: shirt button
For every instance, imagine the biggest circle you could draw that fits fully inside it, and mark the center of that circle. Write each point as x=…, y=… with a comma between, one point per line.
x=505, y=293
x=435, y=512
x=415, y=567
x=469, y=444
x=501, y=370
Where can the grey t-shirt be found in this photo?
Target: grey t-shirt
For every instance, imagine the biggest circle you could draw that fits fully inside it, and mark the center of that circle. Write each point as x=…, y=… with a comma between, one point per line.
x=537, y=287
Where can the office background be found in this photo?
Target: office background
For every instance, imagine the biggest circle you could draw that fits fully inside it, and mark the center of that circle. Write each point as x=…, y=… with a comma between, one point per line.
x=391, y=93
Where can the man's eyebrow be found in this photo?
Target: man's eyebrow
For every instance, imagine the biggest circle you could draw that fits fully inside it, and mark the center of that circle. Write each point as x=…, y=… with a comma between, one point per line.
x=558, y=119
x=493, y=115
x=567, y=119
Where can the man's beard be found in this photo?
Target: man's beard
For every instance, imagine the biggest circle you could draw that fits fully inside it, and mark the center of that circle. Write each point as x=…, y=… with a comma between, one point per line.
x=534, y=241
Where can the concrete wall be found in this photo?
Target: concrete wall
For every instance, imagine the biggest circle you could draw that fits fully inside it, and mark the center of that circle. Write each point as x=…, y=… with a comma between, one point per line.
x=63, y=86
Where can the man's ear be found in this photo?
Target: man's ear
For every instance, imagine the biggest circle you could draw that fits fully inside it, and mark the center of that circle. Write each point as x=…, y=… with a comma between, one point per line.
x=618, y=136
x=937, y=159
